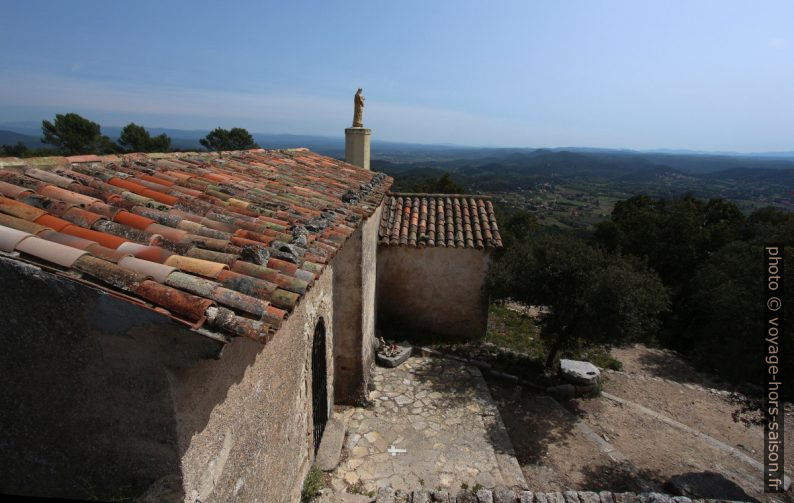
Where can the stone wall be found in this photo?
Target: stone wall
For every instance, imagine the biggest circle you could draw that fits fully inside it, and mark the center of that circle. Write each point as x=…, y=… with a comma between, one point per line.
x=354, y=306
x=105, y=400
x=245, y=421
x=388, y=495
x=433, y=289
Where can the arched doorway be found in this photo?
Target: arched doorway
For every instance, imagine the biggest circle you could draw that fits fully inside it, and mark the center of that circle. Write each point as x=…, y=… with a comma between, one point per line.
x=319, y=384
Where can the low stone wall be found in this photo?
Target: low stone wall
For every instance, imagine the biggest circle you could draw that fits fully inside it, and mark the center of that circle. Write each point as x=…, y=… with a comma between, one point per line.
x=388, y=495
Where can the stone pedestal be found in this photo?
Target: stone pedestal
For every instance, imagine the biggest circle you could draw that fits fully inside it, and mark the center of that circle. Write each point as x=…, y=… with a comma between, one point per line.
x=357, y=146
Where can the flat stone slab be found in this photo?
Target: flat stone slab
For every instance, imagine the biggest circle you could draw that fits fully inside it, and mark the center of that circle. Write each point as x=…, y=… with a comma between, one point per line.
x=433, y=424
x=331, y=445
x=579, y=372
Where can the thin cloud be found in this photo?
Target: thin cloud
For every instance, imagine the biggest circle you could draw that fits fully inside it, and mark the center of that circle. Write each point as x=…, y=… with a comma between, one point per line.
x=199, y=108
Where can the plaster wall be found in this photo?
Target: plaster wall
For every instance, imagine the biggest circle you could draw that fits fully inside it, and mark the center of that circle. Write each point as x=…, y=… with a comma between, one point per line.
x=433, y=289
x=354, y=308
x=369, y=260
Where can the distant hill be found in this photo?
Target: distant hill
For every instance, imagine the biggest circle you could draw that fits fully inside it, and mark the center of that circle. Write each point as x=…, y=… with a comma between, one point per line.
x=12, y=138
x=755, y=179
x=562, y=161
x=782, y=177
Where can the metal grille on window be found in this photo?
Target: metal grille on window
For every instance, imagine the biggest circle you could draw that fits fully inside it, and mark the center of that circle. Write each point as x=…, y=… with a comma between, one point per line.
x=319, y=384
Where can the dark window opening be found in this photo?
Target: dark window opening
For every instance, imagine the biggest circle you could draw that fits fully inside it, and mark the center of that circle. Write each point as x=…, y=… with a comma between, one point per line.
x=319, y=384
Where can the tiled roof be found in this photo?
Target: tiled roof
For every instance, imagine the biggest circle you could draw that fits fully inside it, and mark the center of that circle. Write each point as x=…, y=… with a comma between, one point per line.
x=225, y=242
x=449, y=220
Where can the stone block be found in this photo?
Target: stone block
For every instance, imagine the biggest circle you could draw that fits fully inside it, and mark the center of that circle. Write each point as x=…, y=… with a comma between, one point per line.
x=627, y=497
x=439, y=496
x=570, y=497
x=605, y=497
x=385, y=495
x=589, y=497
x=504, y=495
x=579, y=372
x=485, y=496
x=331, y=445
x=659, y=498
x=526, y=497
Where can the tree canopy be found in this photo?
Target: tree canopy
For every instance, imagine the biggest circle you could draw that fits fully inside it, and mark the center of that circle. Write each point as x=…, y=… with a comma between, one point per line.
x=711, y=257
x=73, y=134
x=674, y=235
x=232, y=139
x=135, y=138
x=18, y=150
x=594, y=297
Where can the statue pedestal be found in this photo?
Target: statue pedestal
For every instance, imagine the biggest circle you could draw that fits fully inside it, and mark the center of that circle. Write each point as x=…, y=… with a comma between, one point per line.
x=357, y=141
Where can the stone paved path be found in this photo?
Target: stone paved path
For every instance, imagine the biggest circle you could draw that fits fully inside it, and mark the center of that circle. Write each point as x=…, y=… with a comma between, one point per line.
x=441, y=412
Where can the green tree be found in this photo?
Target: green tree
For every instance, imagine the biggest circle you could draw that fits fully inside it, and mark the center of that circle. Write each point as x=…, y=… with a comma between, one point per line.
x=446, y=185
x=234, y=139
x=519, y=226
x=18, y=150
x=425, y=184
x=726, y=313
x=770, y=225
x=135, y=138
x=160, y=143
x=673, y=235
x=73, y=134
x=594, y=297
x=711, y=257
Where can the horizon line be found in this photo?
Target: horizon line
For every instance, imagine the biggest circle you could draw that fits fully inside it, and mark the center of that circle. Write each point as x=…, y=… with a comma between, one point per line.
x=656, y=150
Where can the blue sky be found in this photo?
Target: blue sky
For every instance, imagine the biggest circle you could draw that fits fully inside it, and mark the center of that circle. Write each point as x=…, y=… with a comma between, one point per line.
x=710, y=75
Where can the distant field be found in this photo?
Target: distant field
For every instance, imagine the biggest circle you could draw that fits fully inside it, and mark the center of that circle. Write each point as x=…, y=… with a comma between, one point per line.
x=575, y=190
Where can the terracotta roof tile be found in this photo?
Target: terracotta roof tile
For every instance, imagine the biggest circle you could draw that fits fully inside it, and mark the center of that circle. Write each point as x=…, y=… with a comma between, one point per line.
x=445, y=220
x=10, y=238
x=231, y=241
x=50, y=251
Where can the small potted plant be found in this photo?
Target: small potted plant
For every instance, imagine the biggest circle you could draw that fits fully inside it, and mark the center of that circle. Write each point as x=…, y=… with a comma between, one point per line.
x=390, y=354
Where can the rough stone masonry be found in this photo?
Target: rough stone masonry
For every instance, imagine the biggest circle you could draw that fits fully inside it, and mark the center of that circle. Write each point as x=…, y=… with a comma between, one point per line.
x=504, y=495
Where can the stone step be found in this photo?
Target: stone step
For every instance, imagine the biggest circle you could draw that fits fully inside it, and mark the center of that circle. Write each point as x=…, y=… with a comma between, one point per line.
x=330, y=445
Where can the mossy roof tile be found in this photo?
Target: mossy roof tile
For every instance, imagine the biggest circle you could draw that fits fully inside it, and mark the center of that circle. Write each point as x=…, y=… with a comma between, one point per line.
x=257, y=225
x=444, y=220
